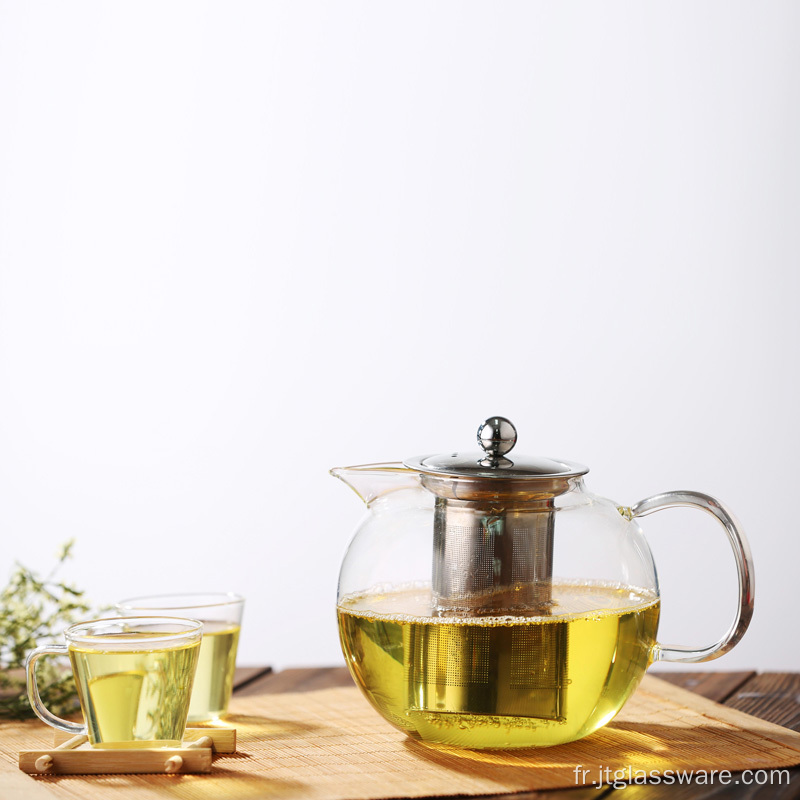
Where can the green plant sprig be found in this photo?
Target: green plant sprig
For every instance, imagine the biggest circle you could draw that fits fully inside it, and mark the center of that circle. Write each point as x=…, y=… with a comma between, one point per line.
x=34, y=610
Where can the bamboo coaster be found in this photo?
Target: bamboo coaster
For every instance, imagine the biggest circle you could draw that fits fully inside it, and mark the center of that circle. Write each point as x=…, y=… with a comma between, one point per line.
x=74, y=756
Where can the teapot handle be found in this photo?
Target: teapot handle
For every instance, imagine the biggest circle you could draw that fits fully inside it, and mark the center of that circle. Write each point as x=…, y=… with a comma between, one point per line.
x=744, y=565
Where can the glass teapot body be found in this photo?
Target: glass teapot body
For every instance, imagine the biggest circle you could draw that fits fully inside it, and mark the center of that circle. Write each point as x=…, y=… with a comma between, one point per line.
x=521, y=617
x=515, y=678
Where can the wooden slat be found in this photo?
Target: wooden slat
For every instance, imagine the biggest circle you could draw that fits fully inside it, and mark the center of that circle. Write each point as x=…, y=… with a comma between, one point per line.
x=115, y=762
x=774, y=696
x=298, y=680
x=244, y=675
x=716, y=686
x=223, y=739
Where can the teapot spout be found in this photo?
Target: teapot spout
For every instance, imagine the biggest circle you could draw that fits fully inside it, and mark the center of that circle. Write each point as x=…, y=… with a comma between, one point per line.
x=371, y=481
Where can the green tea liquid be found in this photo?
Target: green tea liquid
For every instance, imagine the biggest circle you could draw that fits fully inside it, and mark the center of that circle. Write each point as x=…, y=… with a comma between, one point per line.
x=134, y=698
x=213, y=683
x=500, y=682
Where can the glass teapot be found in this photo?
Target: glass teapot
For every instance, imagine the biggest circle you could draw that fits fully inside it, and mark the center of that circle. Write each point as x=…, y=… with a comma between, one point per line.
x=491, y=603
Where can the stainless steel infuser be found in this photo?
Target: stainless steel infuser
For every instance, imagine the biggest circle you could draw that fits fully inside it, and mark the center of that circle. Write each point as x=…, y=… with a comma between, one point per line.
x=493, y=525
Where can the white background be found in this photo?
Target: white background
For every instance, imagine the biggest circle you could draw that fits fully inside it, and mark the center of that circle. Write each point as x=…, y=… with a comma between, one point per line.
x=241, y=243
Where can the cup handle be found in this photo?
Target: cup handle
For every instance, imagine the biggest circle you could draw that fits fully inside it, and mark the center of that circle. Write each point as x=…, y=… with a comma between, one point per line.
x=33, y=690
x=744, y=565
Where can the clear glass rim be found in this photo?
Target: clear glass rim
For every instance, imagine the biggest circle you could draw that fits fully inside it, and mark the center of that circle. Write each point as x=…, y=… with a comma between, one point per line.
x=113, y=633
x=181, y=601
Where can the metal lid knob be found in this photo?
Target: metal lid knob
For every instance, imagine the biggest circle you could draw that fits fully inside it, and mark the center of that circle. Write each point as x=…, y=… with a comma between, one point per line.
x=497, y=436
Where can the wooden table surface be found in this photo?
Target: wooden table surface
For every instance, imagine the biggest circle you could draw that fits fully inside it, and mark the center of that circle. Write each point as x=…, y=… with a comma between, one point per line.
x=771, y=696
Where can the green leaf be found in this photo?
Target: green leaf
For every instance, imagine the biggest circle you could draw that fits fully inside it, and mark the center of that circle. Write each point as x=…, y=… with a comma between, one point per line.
x=35, y=610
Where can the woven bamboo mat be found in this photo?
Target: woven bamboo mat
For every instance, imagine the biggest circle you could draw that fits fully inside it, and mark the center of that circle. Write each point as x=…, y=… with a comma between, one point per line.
x=331, y=744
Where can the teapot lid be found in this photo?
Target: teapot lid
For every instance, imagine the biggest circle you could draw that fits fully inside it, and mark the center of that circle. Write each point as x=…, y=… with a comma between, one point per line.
x=497, y=436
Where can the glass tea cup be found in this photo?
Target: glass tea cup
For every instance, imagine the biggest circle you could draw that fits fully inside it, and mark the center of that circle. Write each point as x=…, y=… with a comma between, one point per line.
x=134, y=678
x=221, y=614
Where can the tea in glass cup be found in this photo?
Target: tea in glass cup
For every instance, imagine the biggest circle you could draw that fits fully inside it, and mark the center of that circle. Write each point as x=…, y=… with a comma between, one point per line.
x=221, y=615
x=134, y=678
